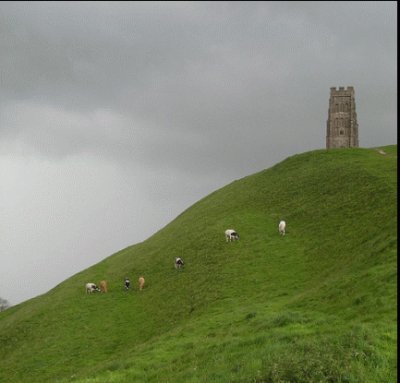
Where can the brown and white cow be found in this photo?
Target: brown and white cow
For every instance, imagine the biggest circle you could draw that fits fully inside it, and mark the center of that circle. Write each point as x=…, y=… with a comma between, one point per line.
x=141, y=283
x=103, y=286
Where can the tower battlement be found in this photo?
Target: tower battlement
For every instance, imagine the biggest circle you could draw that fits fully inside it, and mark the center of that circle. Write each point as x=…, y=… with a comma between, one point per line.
x=342, y=127
x=342, y=89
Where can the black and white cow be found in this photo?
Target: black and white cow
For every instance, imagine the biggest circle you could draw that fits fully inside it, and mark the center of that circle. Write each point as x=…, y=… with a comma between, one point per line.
x=91, y=287
x=179, y=263
x=231, y=235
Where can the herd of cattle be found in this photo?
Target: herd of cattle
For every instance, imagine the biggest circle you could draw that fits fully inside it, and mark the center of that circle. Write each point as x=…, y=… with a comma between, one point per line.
x=230, y=235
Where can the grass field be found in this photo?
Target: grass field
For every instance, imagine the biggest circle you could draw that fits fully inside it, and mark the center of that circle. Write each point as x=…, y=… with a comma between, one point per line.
x=316, y=305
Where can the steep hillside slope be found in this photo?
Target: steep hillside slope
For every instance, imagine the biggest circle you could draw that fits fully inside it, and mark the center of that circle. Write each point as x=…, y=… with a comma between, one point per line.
x=315, y=305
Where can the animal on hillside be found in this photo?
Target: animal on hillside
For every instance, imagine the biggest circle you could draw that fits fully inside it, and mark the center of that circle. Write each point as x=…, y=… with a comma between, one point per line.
x=141, y=283
x=103, y=286
x=179, y=263
x=91, y=287
x=282, y=228
x=127, y=283
x=231, y=235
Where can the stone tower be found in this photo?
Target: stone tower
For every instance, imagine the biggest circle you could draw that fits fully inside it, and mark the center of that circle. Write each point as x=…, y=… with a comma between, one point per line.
x=342, y=127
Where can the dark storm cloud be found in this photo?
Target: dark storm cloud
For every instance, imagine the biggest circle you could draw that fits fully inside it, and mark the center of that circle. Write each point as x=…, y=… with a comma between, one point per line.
x=156, y=104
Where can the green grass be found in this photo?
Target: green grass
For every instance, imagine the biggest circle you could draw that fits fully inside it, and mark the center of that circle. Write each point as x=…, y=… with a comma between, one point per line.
x=317, y=305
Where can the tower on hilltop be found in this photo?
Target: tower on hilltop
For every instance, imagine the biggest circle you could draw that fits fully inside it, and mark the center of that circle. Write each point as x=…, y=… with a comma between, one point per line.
x=342, y=127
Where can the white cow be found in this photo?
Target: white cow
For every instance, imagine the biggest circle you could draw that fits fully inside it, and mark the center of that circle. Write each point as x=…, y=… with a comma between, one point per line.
x=90, y=287
x=282, y=227
x=231, y=235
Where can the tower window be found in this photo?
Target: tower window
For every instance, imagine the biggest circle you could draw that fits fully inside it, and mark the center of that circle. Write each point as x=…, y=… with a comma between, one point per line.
x=341, y=132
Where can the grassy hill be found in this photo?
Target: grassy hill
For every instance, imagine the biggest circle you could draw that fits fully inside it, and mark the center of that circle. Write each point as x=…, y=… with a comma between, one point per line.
x=317, y=305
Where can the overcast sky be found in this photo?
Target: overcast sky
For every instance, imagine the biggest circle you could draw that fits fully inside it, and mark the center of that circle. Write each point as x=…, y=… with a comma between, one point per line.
x=115, y=117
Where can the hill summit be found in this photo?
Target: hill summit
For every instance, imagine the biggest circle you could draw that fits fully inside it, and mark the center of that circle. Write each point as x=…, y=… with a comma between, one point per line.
x=315, y=305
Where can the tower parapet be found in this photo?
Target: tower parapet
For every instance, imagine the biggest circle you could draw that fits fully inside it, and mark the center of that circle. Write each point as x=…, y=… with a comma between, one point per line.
x=342, y=126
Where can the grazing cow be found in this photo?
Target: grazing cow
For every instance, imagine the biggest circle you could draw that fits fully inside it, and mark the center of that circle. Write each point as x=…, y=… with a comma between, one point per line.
x=231, y=235
x=141, y=283
x=179, y=263
x=127, y=283
x=103, y=286
x=282, y=227
x=90, y=287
